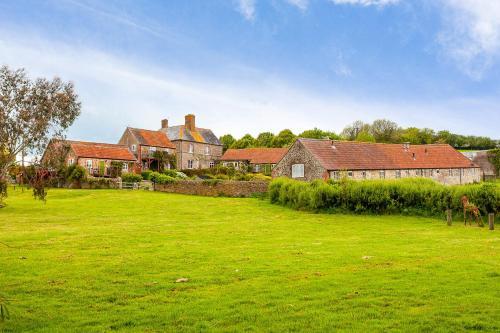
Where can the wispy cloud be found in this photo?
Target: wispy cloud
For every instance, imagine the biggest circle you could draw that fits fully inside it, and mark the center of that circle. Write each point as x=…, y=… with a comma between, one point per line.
x=471, y=34
x=301, y=4
x=247, y=9
x=117, y=92
x=366, y=3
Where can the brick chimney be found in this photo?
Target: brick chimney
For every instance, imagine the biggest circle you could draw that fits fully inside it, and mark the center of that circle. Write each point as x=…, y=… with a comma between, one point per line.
x=190, y=122
x=164, y=123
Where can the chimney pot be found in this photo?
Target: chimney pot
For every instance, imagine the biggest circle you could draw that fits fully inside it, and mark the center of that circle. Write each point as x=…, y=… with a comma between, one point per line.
x=190, y=122
x=164, y=123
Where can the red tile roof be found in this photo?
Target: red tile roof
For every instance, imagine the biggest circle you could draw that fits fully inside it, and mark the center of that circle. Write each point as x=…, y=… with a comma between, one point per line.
x=101, y=150
x=152, y=138
x=255, y=155
x=349, y=155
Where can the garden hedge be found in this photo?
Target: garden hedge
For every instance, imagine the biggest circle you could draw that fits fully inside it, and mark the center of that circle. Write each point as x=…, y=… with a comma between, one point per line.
x=405, y=196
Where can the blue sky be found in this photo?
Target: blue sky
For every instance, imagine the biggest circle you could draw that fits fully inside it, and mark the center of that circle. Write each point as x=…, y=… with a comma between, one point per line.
x=256, y=65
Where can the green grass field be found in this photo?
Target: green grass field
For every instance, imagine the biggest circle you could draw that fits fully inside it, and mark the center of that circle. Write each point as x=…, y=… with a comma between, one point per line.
x=107, y=260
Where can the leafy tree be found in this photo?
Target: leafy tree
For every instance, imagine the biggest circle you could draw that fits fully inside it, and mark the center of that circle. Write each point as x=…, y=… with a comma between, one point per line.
x=285, y=138
x=494, y=158
x=227, y=141
x=350, y=132
x=384, y=130
x=31, y=112
x=364, y=136
x=316, y=133
x=246, y=141
x=264, y=139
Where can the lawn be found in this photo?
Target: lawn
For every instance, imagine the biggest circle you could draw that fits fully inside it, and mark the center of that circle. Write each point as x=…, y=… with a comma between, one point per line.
x=106, y=260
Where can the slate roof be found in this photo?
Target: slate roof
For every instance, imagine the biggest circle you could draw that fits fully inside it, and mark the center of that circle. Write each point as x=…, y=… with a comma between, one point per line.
x=255, y=155
x=201, y=135
x=152, y=138
x=97, y=150
x=349, y=155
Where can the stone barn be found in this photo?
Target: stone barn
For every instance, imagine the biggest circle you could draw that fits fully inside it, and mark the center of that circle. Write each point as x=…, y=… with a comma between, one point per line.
x=310, y=159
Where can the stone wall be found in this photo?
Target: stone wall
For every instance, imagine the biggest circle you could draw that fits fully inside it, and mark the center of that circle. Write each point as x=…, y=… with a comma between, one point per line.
x=298, y=154
x=228, y=188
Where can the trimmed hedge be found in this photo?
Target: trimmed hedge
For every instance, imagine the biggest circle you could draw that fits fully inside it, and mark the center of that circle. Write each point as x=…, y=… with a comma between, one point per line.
x=131, y=178
x=405, y=196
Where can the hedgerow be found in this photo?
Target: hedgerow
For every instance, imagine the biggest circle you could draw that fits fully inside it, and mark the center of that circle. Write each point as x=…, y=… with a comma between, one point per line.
x=405, y=196
x=131, y=178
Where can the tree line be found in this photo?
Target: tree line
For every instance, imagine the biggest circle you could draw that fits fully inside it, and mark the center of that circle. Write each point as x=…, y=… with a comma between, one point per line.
x=381, y=130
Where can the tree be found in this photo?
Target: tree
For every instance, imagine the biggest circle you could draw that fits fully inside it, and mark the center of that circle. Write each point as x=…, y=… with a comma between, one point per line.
x=246, y=141
x=227, y=141
x=364, y=136
x=316, y=133
x=31, y=112
x=385, y=131
x=351, y=132
x=264, y=139
x=285, y=138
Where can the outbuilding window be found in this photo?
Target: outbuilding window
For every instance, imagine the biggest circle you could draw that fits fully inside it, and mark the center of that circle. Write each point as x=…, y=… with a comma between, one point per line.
x=350, y=174
x=334, y=175
x=298, y=171
x=363, y=174
x=398, y=173
x=382, y=174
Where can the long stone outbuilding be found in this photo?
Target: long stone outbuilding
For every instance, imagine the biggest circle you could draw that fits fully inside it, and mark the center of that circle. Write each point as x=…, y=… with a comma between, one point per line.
x=310, y=159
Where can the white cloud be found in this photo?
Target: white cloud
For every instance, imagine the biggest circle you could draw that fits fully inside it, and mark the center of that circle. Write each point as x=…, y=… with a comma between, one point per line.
x=247, y=9
x=471, y=34
x=117, y=92
x=301, y=4
x=366, y=3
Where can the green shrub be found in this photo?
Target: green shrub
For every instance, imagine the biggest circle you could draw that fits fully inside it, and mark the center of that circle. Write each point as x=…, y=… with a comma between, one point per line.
x=421, y=196
x=170, y=173
x=164, y=179
x=76, y=173
x=146, y=174
x=153, y=176
x=131, y=178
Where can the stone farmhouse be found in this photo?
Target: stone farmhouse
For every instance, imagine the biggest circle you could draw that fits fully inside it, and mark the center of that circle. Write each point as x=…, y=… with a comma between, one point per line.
x=260, y=160
x=196, y=148
x=144, y=144
x=310, y=159
x=95, y=157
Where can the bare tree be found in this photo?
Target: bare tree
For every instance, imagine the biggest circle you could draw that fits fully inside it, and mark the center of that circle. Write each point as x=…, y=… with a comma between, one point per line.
x=31, y=112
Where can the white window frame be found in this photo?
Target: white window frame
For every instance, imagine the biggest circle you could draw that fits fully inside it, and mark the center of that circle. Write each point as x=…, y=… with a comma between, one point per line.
x=190, y=164
x=191, y=148
x=134, y=148
x=71, y=161
x=350, y=174
x=381, y=174
x=125, y=166
x=89, y=165
x=257, y=167
x=298, y=170
x=211, y=164
x=207, y=150
x=153, y=149
x=363, y=174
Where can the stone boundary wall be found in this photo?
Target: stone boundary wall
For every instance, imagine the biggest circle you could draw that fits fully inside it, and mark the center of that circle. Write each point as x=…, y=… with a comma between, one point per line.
x=228, y=188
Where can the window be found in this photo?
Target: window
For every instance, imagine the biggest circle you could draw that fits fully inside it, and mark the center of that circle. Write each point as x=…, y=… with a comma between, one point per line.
x=152, y=149
x=363, y=174
x=207, y=150
x=191, y=148
x=71, y=161
x=257, y=167
x=190, y=164
x=298, y=171
x=382, y=174
x=134, y=148
x=450, y=172
x=272, y=166
x=211, y=164
x=125, y=167
x=407, y=173
x=334, y=175
x=398, y=173
x=89, y=164
x=350, y=174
